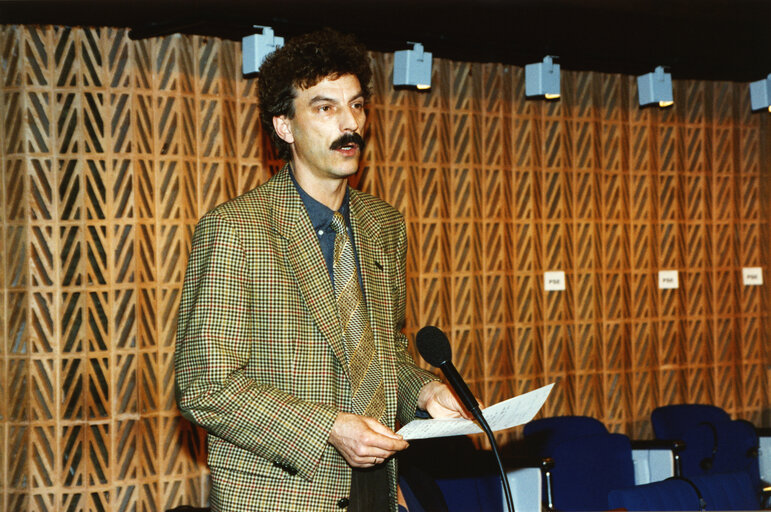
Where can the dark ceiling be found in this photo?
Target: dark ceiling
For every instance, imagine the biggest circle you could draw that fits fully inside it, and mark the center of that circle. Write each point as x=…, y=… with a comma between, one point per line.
x=703, y=39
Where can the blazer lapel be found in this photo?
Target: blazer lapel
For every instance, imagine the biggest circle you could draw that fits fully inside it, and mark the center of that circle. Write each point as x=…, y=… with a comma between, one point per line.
x=306, y=262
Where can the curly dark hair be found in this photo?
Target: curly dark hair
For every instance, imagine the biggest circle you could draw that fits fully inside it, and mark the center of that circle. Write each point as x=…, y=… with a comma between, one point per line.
x=302, y=63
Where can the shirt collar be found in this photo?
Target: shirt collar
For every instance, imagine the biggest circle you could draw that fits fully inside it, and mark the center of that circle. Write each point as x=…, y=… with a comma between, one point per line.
x=319, y=213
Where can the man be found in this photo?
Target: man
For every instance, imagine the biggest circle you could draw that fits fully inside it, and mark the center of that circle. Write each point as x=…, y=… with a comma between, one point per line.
x=289, y=351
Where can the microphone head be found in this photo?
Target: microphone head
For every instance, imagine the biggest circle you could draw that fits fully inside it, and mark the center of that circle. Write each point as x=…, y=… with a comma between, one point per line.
x=433, y=345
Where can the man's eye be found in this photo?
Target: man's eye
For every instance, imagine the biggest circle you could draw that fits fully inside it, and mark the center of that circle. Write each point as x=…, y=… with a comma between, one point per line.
x=358, y=106
x=325, y=108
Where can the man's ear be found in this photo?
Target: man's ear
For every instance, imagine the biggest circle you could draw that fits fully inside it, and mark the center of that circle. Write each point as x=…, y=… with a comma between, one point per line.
x=283, y=129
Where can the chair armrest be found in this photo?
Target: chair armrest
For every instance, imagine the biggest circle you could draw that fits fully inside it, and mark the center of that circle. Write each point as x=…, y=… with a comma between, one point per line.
x=764, y=454
x=763, y=431
x=525, y=461
x=674, y=445
x=547, y=463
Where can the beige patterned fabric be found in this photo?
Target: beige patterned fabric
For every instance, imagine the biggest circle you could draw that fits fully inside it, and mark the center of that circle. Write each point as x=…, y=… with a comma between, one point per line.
x=366, y=375
x=260, y=360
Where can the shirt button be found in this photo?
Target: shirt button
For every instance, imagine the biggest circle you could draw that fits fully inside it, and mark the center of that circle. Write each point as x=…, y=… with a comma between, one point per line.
x=342, y=503
x=321, y=232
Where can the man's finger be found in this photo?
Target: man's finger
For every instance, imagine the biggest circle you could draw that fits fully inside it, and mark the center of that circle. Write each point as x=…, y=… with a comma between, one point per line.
x=381, y=429
x=384, y=436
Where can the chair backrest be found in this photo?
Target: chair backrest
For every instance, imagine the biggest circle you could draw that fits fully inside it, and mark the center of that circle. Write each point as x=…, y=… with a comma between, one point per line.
x=587, y=468
x=727, y=491
x=670, y=421
x=543, y=433
x=671, y=494
x=565, y=426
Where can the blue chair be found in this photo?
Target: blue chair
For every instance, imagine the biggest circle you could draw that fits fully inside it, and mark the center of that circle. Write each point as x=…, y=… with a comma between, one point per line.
x=543, y=434
x=589, y=461
x=587, y=468
x=713, y=442
x=692, y=424
x=719, y=491
x=671, y=494
x=727, y=491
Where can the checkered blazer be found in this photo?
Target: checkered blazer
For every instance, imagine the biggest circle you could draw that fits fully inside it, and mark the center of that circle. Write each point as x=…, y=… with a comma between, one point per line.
x=259, y=358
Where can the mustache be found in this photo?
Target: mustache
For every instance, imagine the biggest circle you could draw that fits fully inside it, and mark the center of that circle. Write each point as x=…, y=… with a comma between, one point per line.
x=346, y=139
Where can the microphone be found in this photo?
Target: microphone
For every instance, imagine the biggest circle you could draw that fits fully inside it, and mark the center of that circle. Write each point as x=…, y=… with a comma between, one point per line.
x=434, y=347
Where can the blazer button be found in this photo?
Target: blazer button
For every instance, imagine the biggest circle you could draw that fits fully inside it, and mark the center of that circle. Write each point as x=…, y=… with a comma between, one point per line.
x=342, y=503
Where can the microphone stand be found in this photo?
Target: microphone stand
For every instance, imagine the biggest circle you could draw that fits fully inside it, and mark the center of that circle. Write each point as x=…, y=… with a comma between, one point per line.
x=467, y=398
x=434, y=346
x=504, y=479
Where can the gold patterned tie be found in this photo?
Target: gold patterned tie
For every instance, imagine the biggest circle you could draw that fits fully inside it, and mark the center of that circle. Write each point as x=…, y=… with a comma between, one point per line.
x=364, y=366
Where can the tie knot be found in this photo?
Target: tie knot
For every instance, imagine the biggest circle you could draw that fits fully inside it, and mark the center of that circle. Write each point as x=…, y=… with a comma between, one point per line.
x=338, y=223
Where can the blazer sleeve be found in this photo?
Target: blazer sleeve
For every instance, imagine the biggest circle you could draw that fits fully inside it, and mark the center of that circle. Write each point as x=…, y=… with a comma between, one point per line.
x=213, y=347
x=410, y=377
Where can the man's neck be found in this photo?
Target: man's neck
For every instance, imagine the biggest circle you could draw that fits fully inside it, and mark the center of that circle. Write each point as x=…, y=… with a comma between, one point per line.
x=330, y=191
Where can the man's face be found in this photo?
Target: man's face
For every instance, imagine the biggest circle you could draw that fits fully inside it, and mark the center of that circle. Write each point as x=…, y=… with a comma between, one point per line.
x=325, y=132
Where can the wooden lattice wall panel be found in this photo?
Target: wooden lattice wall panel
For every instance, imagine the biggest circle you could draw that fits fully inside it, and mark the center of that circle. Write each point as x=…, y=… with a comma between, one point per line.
x=111, y=149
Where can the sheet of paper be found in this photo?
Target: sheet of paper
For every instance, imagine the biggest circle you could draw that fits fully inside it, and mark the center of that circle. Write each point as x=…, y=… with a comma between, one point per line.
x=509, y=413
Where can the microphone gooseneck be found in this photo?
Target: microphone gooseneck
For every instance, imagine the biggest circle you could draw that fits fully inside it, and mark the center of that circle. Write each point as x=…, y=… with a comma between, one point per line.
x=434, y=347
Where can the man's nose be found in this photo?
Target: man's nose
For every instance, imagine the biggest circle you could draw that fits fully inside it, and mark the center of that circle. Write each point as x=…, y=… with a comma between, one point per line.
x=349, y=119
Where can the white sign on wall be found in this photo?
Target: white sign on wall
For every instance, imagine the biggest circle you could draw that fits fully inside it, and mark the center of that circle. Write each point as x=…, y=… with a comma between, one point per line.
x=752, y=276
x=554, y=280
x=668, y=279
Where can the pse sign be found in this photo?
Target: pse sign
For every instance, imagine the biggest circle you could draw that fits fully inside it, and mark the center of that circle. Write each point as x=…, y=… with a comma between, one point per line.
x=554, y=280
x=752, y=276
x=668, y=279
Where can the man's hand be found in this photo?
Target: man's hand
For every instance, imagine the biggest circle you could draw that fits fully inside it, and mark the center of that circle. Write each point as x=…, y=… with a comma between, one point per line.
x=440, y=402
x=363, y=441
